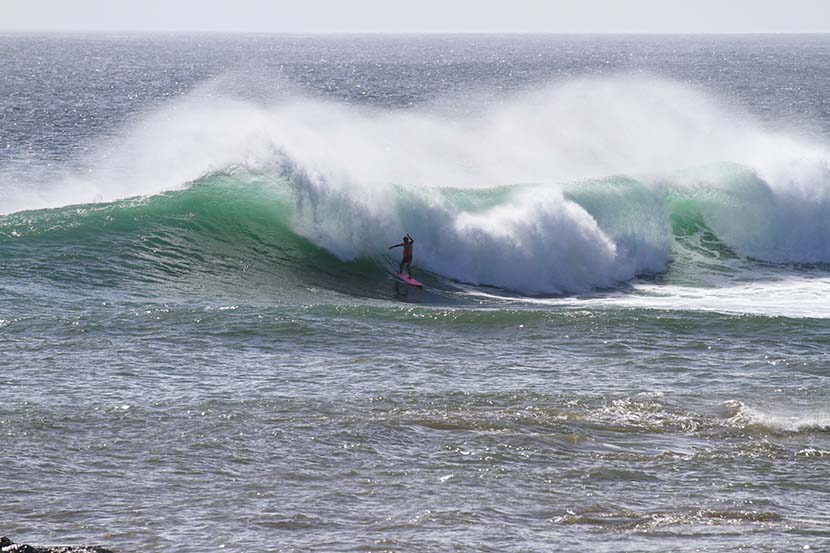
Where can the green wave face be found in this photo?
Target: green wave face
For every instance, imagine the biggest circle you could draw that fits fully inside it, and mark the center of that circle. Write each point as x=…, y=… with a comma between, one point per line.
x=226, y=231
x=265, y=236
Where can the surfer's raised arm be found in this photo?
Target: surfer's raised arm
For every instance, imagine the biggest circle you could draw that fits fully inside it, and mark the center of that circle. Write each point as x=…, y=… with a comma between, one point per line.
x=406, y=240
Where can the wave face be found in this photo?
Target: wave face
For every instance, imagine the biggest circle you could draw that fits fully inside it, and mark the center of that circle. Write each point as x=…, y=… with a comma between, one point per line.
x=260, y=227
x=577, y=186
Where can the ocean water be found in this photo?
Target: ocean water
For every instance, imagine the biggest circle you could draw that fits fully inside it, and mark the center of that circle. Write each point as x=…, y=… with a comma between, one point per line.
x=622, y=342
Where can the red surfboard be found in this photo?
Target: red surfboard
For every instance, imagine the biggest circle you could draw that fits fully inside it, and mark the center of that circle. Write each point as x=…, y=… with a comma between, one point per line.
x=408, y=279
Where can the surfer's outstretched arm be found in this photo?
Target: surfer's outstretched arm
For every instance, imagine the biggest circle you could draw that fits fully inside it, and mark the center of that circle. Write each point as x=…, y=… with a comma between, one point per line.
x=396, y=246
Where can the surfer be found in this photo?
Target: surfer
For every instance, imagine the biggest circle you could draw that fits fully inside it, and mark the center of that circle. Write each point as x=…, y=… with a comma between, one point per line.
x=407, y=254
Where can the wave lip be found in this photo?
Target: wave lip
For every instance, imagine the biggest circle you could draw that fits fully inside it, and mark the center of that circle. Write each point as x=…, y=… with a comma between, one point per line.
x=747, y=417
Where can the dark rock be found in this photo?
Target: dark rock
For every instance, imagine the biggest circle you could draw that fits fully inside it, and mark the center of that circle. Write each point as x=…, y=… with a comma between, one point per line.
x=19, y=548
x=8, y=546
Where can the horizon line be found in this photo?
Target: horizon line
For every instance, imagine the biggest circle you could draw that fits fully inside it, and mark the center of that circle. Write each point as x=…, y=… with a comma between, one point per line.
x=407, y=33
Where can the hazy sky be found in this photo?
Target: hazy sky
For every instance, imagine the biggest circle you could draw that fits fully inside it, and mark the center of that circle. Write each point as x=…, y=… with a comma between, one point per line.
x=420, y=16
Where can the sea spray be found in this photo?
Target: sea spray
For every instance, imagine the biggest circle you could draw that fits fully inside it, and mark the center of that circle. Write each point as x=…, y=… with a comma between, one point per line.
x=582, y=128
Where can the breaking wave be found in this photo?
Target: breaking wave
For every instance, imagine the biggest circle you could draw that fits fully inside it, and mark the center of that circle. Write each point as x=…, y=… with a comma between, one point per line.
x=578, y=186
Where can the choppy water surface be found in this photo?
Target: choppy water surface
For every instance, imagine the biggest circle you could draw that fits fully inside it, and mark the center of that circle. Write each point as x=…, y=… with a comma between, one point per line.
x=622, y=343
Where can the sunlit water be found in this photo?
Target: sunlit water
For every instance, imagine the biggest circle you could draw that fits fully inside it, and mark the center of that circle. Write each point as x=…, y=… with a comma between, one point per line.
x=622, y=343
